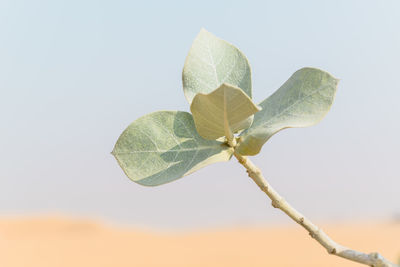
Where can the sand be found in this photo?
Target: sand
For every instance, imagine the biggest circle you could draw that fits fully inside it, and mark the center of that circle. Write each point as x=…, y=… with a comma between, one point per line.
x=62, y=242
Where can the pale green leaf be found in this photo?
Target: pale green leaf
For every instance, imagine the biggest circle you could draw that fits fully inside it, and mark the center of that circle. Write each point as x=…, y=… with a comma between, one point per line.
x=163, y=146
x=211, y=62
x=222, y=112
x=301, y=101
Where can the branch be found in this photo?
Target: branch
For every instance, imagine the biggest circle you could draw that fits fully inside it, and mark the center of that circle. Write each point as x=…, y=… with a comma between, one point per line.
x=372, y=259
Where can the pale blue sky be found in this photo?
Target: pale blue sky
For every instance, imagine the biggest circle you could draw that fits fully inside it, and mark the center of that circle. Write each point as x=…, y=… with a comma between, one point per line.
x=74, y=74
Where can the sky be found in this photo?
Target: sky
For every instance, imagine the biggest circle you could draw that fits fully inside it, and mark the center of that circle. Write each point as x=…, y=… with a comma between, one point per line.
x=74, y=74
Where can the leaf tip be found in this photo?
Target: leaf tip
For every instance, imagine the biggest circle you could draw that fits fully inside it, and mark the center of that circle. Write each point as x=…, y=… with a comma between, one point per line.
x=204, y=33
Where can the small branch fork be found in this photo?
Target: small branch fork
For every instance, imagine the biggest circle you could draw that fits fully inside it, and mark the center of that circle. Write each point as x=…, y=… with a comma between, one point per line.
x=372, y=259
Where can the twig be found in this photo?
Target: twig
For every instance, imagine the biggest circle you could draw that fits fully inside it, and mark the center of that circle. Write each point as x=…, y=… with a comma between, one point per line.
x=372, y=259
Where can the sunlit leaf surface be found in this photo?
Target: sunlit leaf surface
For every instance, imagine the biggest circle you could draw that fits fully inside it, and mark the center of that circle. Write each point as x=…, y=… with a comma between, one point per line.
x=211, y=62
x=163, y=146
x=222, y=112
x=301, y=101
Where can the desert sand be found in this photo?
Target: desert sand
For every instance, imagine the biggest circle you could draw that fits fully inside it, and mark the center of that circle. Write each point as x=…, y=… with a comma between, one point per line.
x=63, y=242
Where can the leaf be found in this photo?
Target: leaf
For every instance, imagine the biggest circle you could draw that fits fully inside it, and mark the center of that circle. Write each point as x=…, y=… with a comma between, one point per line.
x=163, y=146
x=211, y=62
x=301, y=101
x=222, y=112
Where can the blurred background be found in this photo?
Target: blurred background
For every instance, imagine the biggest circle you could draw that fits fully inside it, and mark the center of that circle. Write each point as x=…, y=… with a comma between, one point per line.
x=75, y=74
